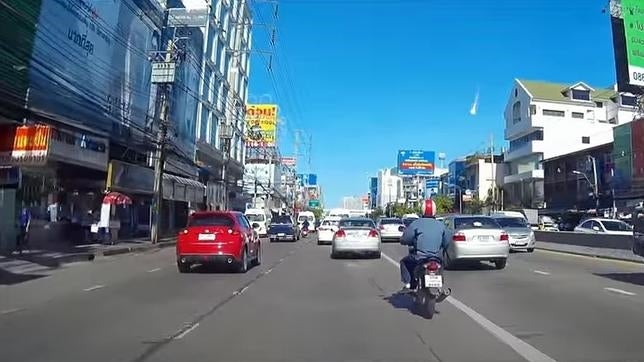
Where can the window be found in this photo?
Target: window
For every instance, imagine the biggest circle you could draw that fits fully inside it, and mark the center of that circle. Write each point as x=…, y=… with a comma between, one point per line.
x=360, y=223
x=509, y=222
x=522, y=141
x=579, y=115
x=629, y=101
x=256, y=217
x=616, y=225
x=533, y=109
x=282, y=219
x=581, y=95
x=585, y=139
x=211, y=220
x=599, y=104
x=475, y=223
x=390, y=222
x=516, y=112
x=243, y=221
x=516, y=92
x=553, y=113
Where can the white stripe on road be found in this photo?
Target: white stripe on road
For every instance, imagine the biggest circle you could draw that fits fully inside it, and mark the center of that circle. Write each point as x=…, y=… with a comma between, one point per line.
x=188, y=330
x=9, y=311
x=154, y=270
x=524, y=349
x=619, y=291
x=541, y=272
x=93, y=288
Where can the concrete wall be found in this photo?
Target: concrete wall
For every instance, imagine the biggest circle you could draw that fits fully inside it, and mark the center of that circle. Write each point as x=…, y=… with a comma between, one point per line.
x=621, y=242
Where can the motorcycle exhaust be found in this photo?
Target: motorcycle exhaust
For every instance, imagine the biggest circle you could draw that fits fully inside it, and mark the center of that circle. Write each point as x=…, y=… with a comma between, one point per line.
x=229, y=260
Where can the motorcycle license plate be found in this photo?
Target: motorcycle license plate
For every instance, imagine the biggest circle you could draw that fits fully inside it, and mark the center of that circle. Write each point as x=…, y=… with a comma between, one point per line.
x=434, y=281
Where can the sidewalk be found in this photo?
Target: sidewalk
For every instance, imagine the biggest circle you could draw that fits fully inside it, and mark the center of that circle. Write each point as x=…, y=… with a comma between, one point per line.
x=606, y=253
x=39, y=262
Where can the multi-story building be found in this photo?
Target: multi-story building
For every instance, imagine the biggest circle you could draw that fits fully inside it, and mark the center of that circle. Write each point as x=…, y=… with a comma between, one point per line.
x=545, y=120
x=481, y=176
x=390, y=188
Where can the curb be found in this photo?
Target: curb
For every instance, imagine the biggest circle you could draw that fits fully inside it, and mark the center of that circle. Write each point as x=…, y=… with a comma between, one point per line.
x=591, y=255
x=164, y=243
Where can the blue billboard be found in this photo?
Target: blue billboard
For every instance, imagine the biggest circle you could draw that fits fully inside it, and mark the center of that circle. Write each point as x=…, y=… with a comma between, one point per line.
x=432, y=186
x=312, y=179
x=416, y=162
x=93, y=56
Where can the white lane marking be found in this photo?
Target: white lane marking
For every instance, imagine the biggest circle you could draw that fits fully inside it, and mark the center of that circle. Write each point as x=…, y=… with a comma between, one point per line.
x=243, y=290
x=99, y=286
x=541, y=272
x=268, y=271
x=9, y=311
x=154, y=270
x=620, y=291
x=524, y=349
x=188, y=330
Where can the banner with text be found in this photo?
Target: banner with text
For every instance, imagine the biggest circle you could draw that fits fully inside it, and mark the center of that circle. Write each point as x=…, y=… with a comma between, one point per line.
x=416, y=162
x=633, y=11
x=261, y=122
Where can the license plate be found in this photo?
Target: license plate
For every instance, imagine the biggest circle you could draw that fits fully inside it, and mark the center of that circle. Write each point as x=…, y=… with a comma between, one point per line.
x=207, y=237
x=485, y=238
x=434, y=281
x=280, y=234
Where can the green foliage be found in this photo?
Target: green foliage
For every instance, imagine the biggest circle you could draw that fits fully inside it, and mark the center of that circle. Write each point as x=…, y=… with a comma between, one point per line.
x=444, y=204
x=475, y=206
x=377, y=212
x=318, y=212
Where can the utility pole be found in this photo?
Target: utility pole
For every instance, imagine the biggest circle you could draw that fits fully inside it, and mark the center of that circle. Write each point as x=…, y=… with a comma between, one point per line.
x=596, y=184
x=163, y=74
x=492, y=173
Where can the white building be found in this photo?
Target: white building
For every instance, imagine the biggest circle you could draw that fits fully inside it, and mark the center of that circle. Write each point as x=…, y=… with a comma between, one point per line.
x=224, y=61
x=480, y=176
x=352, y=203
x=545, y=120
x=390, y=188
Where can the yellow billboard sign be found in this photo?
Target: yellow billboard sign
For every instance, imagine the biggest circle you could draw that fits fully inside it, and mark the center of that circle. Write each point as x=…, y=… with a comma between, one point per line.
x=261, y=125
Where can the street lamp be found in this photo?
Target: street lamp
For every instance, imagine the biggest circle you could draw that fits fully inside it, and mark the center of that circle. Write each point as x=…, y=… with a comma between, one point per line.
x=594, y=185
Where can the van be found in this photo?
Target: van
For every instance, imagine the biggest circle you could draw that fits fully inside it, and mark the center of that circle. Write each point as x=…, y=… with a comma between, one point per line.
x=306, y=215
x=261, y=217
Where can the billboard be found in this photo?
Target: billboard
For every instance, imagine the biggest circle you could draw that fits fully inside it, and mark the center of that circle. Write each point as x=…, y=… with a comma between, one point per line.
x=289, y=161
x=622, y=63
x=432, y=186
x=312, y=179
x=373, y=191
x=93, y=55
x=261, y=123
x=416, y=162
x=633, y=13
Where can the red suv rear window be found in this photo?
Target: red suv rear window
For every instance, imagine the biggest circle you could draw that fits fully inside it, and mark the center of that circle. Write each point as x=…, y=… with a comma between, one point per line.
x=211, y=220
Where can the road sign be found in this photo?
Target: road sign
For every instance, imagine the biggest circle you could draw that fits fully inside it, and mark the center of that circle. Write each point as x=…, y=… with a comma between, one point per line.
x=314, y=203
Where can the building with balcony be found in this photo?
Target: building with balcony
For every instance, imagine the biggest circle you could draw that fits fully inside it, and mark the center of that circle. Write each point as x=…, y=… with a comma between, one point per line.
x=546, y=120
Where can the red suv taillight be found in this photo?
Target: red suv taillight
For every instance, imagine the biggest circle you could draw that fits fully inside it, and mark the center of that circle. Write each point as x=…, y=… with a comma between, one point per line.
x=340, y=234
x=504, y=236
x=458, y=237
x=373, y=233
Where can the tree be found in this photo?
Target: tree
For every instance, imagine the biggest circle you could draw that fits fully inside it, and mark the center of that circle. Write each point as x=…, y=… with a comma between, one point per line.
x=377, y=212
x=318, y=212
x=475, y=206
x=444, y=204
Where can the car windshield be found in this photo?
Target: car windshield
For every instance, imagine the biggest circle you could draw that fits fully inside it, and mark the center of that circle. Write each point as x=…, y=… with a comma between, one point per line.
x=282, y=220
x=357, y=223
x=390, y=221
x=210, y=220
x=256, y=217
x=511, y=222
x=302, y=218
x=475, y=223
x=615, y=225
x=330, y=223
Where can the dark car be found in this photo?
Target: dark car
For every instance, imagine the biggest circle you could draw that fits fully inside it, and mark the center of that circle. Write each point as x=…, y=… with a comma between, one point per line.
x=282, y=227
x=221, y=237
x=638, y=232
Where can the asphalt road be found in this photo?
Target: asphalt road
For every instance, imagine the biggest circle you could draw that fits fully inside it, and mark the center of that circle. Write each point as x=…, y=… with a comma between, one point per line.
x=300, y=305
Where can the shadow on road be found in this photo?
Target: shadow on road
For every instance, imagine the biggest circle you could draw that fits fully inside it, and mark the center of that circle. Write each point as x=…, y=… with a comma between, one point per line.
x=405, y=301
x=632, y=278
x=470, y=265
x=9, y=278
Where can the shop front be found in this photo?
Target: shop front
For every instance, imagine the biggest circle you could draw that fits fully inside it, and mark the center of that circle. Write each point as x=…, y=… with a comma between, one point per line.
x=180, y=195
x=57, y=173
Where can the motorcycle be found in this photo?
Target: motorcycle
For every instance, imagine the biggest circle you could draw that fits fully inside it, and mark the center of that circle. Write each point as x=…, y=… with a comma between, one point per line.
x=305, y=232
x=429, y=288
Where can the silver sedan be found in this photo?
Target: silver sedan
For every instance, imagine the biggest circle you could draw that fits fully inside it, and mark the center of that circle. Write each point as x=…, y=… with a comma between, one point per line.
x=356, y=235
x=475, y=238
x=391, y=228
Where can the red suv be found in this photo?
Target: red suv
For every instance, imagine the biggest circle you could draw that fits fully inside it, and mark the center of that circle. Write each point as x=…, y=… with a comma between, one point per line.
x=223, y=237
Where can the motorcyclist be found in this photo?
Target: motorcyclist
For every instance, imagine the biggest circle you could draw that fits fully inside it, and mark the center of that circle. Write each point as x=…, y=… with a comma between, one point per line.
x=425, y=238
x=305, y=225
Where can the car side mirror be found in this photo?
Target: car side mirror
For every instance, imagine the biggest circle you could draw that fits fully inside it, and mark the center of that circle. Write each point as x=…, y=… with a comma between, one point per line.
x=596, y=228
x=255, y=225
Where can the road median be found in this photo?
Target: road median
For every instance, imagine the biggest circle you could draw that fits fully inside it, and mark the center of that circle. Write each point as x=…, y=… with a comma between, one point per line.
x=615, y=247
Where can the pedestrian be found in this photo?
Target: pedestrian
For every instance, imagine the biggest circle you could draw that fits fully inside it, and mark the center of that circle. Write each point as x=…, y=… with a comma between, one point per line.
x=24, y=222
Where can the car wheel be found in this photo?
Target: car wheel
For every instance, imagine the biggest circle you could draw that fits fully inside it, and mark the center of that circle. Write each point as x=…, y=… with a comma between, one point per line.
x=530, y=250
x=183, y=267
x=501, y=263
x=447, y=262
x=258, y=259
x=243, y=265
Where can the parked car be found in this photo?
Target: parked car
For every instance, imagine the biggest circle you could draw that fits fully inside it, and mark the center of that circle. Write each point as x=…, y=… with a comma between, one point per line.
x=547, y=223
x=604, y=226
x=327, y=229
x=218, y=237
x=356, y=235
x=391, y=228
x=521, y=236
x=283, y=227
x=638, y=232
x=478, y=238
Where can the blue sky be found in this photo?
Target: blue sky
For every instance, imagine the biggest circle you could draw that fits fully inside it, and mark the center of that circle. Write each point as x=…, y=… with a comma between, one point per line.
x=367, y=78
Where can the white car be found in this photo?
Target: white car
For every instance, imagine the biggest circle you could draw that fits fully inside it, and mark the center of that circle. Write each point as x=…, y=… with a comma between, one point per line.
x=327, y=229
x=356, y=235
x=604, y=226
x=391, y=228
